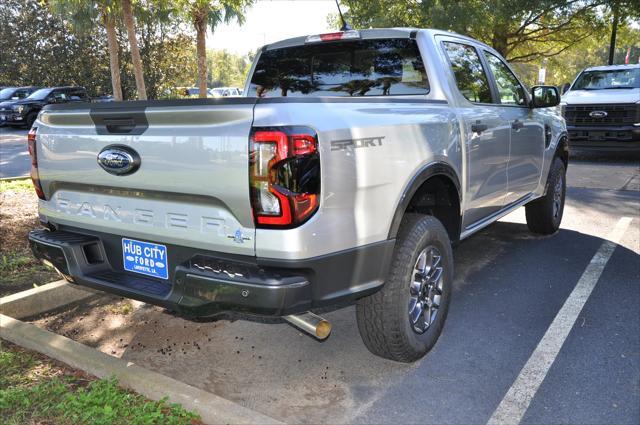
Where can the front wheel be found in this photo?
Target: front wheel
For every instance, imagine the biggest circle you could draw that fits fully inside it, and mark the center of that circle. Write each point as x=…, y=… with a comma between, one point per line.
x=403, y=320
x=31, y=118
x=545, y=214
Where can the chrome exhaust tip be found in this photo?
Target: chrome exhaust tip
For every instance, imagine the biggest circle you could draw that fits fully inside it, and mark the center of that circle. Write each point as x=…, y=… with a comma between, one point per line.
x=311, y=323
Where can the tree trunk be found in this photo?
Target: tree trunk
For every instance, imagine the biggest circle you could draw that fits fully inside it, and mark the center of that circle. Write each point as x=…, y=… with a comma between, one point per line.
x=129, y=22
x=614, y=31
x=499, y=40
x=201, y=51
x=114, y=61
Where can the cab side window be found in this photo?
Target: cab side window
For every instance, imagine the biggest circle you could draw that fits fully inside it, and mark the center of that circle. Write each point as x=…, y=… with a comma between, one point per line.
x=59, y=96
x=471, y=78
x=77, y=95
x=510, y=90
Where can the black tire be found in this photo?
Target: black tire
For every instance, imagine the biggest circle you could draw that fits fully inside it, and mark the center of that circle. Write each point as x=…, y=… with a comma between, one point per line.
x=383, y=317
x=544, y=215
x=31, y=118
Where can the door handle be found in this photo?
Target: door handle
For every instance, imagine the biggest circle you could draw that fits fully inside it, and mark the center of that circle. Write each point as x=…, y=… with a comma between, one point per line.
x=517, y=125
x=478, y=127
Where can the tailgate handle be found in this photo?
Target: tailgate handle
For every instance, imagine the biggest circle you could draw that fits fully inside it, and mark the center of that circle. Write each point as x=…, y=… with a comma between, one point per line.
x=119, y=125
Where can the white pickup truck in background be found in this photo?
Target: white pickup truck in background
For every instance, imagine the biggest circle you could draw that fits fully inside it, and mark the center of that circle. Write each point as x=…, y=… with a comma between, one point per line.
x=602, y=108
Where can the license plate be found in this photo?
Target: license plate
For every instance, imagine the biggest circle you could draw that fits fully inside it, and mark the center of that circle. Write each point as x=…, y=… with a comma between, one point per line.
x=145, y=258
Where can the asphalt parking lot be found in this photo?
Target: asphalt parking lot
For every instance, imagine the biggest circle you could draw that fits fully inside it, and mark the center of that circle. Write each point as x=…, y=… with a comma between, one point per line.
x=14, y=157
x=496, y=358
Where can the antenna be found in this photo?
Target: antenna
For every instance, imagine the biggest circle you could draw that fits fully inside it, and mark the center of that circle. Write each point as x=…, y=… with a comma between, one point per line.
x=345, y=25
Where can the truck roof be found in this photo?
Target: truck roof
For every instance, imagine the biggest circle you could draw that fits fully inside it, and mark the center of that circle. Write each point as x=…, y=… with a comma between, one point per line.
x=404, y=32
x=612, y=67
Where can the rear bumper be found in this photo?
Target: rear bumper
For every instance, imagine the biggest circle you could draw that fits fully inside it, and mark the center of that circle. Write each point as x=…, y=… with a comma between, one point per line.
x=203, y=283
x=605, y=137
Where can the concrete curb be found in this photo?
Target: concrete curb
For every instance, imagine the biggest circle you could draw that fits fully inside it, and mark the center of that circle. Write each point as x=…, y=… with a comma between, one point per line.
x=44, y=298
x=212, y=408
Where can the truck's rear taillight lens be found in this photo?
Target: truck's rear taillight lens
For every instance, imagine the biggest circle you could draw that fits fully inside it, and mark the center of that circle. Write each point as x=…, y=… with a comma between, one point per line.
x=35, y=177
x=284, y=167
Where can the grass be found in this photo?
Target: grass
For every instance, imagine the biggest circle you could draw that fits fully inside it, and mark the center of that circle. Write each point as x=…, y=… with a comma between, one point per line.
x=35, y=390
x=122, y=308
x=14, y=261
x=16, y=185
x=19, y=271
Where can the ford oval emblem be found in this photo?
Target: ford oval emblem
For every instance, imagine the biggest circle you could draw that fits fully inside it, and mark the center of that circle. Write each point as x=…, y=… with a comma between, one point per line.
x=598, y=114
x=119, y=160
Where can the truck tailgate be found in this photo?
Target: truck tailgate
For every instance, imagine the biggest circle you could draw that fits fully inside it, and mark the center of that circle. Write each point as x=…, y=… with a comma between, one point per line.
x=190, y=189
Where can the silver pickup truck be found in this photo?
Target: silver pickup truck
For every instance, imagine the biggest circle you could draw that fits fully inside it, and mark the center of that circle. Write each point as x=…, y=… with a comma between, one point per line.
x=344, y=175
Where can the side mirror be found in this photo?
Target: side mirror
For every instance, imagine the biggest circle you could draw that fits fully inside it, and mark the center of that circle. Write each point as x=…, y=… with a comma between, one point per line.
x=544, y=96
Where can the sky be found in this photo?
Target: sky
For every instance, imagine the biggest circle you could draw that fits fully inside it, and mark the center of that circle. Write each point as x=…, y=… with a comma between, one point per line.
x=272, y=20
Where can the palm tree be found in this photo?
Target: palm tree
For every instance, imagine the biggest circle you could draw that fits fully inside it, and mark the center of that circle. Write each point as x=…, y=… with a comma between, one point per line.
x=205, y=14
x=83, y=14
x=130, y=24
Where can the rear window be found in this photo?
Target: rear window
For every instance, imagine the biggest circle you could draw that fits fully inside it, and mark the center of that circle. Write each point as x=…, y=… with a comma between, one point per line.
x=385, y=67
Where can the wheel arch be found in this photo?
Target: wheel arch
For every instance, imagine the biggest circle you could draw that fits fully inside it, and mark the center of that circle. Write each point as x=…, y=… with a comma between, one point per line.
x=435, y=176
x=562, y=149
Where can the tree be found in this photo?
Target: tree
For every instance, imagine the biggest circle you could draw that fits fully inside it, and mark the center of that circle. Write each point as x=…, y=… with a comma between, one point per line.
x=167, y=47
x=521, y=30
x=84, y=14
x=226, y=69
x=204, y=14
x=625, y=9
x=129, y=21
x=39, y=48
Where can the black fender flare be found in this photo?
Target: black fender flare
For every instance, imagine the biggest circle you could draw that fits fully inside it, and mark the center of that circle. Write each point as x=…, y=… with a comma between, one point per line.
x=432, y=169
x=562, y=148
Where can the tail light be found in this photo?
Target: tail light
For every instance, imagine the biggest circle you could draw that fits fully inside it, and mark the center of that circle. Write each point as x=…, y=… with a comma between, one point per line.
x=284, y=168
x=35, y=176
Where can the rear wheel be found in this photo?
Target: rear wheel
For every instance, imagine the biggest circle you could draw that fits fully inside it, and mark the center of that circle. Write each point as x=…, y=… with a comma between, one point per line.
x=404, y=319
x=545, y=214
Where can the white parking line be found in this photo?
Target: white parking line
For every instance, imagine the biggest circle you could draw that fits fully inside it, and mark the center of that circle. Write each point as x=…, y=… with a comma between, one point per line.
x=516, y=402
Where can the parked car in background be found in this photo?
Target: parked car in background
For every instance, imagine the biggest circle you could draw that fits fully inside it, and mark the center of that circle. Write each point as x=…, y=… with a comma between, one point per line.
x=186, y=92
x=225, y=92
x=25, y=111
x=16, y=93
x=602, y=108
x=104, y=98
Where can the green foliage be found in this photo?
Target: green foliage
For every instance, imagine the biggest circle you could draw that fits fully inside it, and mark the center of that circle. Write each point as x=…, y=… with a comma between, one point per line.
x=522, y=30
x=14, y=261
x=100, y=403
x=168, y=53
x=570, y=35
x=42, y=48
x=38, y=48
x=13, y=367
x=16, y=185
x=226, y=69
x=31, y=392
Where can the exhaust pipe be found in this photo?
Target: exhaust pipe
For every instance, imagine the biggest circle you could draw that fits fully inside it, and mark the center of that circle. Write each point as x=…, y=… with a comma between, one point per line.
x=311, y=323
